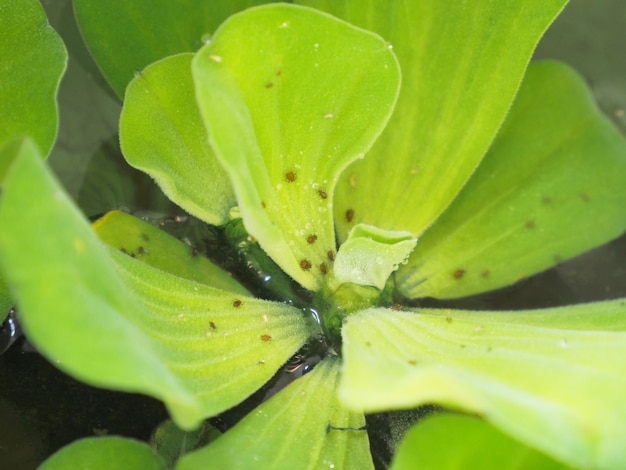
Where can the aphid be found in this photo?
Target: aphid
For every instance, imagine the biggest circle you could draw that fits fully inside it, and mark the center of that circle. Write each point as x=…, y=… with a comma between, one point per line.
x=459, y=273
x=194, y=253
x=322, y=194
x=396, y=307
x=269, y=85
x=330, y=255
x=123, y=250
x=212, y=325
x=237, y=303
x=350, y=215
x=290, y=176
x=145, y=237
x=305, y=264
x=266, y=338
x=485, y=273
x=311, y=238
x=323, y=268
x=141, y=250
x=530, y=224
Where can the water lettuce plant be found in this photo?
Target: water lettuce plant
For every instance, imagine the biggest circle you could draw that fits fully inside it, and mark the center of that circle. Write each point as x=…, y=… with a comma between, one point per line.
x=359, y=156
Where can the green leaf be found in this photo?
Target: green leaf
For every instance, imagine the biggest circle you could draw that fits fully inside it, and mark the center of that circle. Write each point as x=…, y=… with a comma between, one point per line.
x=162, y=133
x=33, y=61
x=552, y=186
x=554, y=379
x=124, y=37
x=290, y=97
x=112, y=321
x=299, y=428
x=370, y=255
x=5, y=300
x=455, y=442
x=153, y=246
x=97, y=453
x=171, y=442
x=462, y=63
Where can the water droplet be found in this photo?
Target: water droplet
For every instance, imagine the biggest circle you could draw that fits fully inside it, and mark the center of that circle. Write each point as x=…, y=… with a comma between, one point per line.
x=205, y=38
x=216, y=58
x=379, y=260
x=563, y=343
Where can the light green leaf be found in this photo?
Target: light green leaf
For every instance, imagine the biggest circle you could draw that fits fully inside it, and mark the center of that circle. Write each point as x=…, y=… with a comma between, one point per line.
x=552, y=186
x=98, y=453
x=171, y=442
x=112, y=321
x=554, y=379
x=147, y=243
x=296, y=429
x=290, y=97
x=33, y=61
x=162, y=133
x=5, y=300
x=370, y=255
x=456, y=442
x=462, y=63
x=124, y=37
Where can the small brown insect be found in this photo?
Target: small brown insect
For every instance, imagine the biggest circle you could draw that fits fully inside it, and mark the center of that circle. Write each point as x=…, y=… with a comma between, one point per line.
x=330, y=255
x=322, y=194
x=145, y=237
x=266, y=338
x=530, y=224
x=290, y=176
x=396, y=307
x=237, y=303
x=269, y=85
x=305, y=264
x=141, y=250
x=459, y=273
x=194, y=253
x=350, y=215
x=323, y=268
x=485, y=273
x=212, y=325
x=311, y=238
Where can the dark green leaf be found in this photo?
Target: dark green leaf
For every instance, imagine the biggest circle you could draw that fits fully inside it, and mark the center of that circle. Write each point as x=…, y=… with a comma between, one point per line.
x=456, y=442
x=33, y=61
x=99, y=453
x=124, y=37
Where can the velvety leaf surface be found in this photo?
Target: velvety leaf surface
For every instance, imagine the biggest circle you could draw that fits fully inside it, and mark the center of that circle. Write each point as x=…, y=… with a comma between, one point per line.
x=147, y=243
x=554, y=379
x=162, y=133
x=456, y=442
x=33, y=61
x=112, y=321
x=462, y=63
x=553, y=185
x=98, y=453
x=291, y=96
x=291, y=430
x=124, y=37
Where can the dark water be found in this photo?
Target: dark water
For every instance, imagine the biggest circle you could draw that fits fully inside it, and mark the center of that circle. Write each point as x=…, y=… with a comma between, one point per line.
x=42, y=409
